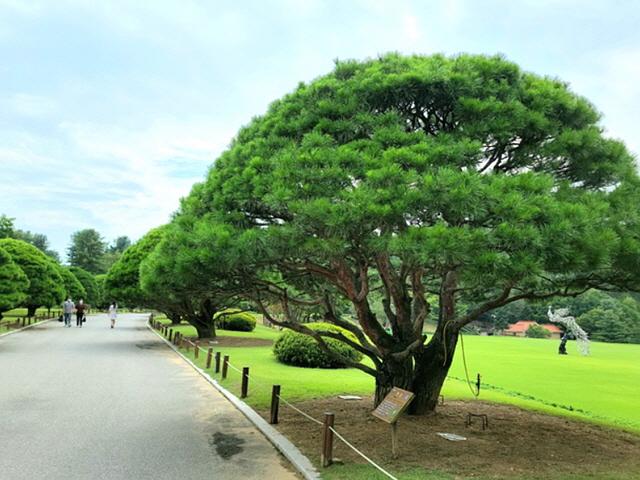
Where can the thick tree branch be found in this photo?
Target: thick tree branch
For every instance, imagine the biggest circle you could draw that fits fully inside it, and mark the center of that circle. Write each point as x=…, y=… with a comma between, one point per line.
x=316, y=336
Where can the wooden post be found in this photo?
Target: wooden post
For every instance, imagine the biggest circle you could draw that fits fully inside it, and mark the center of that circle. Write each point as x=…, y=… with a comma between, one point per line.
x=225, y=366
x=24, y=321
x=209, y=355
x=170, y=334
x=244, y=391
x=394, y=440
x=275, y=404
x=196, y=350
x=217, y=362
x=326, y=458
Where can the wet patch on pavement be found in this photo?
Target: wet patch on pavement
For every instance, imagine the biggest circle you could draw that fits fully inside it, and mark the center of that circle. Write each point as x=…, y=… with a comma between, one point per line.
x=149, y=345
x=226, y=445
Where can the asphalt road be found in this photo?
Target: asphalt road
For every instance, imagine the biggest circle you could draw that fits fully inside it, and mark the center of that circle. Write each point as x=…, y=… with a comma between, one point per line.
x=95, y=403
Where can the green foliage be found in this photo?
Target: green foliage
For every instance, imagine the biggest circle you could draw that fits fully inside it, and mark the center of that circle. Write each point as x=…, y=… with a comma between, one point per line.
x=13, y=283
x=123, y=278
x=88, y=281
x=402, y=176
x=236, y=320
x=120, y=244
x=619, y=323
x=6, y=226
x=103, y=299
x=45, y=283
x=87, y=250
x=38, y=240
x=73, y=287
x=301, y=350
x=536, y=331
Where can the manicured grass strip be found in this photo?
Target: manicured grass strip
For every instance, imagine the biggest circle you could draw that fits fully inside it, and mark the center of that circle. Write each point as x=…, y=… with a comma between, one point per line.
x=188, y=331
x=529, y=373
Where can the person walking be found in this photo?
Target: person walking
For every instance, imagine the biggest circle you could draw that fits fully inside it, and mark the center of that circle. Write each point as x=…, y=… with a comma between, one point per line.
x=113, y=313
x=67, y=310
x=80, y=308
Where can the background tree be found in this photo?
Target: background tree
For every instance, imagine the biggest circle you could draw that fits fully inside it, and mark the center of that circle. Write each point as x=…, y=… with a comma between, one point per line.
x=72, y=286
x=6, y=226
x=463, y=178
x=103, y=298
x=45, y=283
x=187, y=274
x=38, y=240
x=13, y=283
x=123, y=279
x=120, y=244
x=88, y=281
x=87, y=250
x=536, y=331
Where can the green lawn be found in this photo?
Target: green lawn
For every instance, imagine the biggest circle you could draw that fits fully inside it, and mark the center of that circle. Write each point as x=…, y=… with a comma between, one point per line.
x=12, y=315
x=604, y=387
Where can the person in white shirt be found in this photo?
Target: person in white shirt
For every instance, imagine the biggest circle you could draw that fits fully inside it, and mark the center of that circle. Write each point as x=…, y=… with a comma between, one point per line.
x=113, y=313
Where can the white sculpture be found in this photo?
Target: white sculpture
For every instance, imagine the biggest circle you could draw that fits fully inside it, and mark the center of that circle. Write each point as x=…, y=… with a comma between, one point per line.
x=562, y=317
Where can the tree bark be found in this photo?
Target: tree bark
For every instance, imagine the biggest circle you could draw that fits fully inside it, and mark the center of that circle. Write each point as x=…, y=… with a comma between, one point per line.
x=432, y=367
x=31, y=310
x=425, y=371
x=203, y=321
x=204, y=331
x=393, y=374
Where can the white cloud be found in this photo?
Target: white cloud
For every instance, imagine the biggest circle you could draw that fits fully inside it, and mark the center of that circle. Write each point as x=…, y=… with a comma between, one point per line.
x=611, y=80
x=28, y=105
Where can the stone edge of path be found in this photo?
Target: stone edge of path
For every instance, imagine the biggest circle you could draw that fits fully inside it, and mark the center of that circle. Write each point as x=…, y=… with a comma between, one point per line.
x=282, y=444
x=24, y=328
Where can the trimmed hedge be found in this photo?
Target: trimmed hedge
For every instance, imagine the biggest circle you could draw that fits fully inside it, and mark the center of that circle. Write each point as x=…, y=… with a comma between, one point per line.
x=300, y=350
x=239, y=322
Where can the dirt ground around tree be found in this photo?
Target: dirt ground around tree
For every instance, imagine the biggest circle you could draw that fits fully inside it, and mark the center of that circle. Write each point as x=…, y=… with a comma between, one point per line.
x=517, y=443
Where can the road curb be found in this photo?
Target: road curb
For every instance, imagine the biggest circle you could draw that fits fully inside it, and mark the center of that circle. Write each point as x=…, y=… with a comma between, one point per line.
x=24, y=328
x=301, y=463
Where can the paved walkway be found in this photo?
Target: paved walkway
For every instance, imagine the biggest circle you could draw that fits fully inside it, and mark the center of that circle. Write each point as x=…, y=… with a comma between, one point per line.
x=94, y=403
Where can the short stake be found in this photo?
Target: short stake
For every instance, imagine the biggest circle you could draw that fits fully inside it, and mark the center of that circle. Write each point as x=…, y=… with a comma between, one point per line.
x=225, y=366
x=217, y=362
x=244, y=391
x=196, y=350
x=326, y=458
x=275, y=404
x=209, y=355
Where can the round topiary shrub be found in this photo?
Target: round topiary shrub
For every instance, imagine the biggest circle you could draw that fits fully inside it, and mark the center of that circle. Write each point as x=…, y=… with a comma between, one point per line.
x=302, y=350
x=537, y=331
x=239, y=322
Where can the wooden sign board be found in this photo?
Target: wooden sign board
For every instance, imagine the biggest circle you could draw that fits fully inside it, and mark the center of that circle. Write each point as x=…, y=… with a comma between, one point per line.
x=396, y=402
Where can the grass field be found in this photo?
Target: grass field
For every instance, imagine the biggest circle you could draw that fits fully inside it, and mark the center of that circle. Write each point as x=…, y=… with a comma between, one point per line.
x=603, y=387
x=12, y=315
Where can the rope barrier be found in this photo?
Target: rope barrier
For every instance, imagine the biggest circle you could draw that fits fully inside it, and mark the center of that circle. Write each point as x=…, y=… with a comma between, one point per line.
x=346, y=442
x=309, y=417
x=234, y=368
x=301, y=412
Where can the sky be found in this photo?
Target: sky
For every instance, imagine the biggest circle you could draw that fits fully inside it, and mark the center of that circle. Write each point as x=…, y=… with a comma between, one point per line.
x=110, y=111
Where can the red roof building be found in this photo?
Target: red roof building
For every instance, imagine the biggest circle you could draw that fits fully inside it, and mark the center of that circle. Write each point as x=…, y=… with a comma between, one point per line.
x=519, y=329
